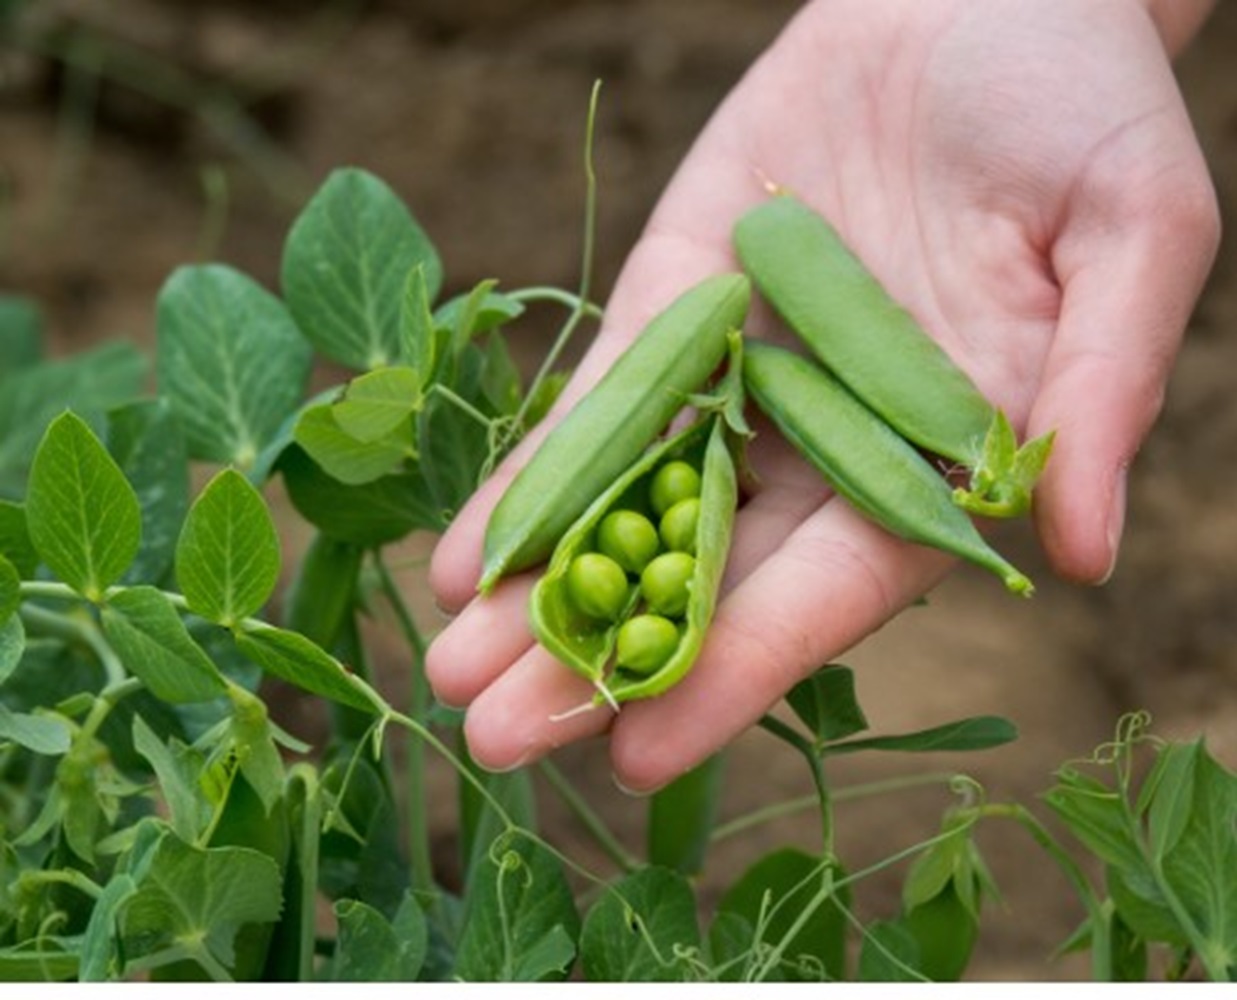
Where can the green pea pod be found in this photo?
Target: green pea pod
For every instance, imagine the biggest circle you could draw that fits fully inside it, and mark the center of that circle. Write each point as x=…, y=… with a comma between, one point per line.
x=852, y=325
x=612, y=424
x=588, y=647
x=865, y=460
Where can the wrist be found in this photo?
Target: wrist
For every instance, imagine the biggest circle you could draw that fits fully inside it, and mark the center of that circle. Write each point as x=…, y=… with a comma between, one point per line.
x=1178, y=21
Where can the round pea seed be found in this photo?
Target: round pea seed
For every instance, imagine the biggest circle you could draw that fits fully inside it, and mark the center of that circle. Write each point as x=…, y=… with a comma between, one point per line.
x=673, y=482
x=597, y=586
x=678, y=526
x=628, y=538
x=645, y=643
x=666, y=583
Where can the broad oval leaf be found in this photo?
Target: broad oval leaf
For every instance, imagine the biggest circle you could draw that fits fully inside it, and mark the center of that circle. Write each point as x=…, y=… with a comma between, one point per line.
x=83, y=516
x=378, y=402
x=12, y=645
x=345, y=264
x=227, y=558
x=639, y=929
x=153, y=643
x=43, y=734
x=520, y=923
x=230, y=359
x=15, y=544
x=343, y=457
x=10, y=590
x=826, y=703
x=148, y=443
x=372, y=949
x=297, y=660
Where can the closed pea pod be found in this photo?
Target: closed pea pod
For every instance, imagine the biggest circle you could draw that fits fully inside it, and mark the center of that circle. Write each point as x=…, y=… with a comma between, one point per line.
x=877, y=348
x=612, y=424
x=867, y=462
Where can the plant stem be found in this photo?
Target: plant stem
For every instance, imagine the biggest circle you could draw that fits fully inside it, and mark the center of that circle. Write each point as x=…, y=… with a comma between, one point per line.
x=808, y=751
x=849, y=793
x=418, y=708
x=588, y=818
x=548, y=293
x=74, y=628
x=582, y=307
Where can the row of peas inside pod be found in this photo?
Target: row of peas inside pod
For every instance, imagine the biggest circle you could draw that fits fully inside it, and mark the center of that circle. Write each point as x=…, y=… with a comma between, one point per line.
x=631, y=587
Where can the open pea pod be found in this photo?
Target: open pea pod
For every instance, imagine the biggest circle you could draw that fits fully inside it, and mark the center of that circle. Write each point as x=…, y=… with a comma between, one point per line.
x=587, y=645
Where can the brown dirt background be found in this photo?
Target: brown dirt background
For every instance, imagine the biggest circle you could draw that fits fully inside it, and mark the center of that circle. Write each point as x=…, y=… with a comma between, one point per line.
x=473, y=110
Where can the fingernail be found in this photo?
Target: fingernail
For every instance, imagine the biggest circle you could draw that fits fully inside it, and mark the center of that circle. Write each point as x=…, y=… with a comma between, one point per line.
x=633, y=793
x=1116, y=523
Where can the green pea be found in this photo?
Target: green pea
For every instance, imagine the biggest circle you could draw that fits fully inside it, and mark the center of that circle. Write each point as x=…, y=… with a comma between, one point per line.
x=673, y=482
x=597, y=586
x=883, y=476
x=628, y=538
x=645, y=643
x=613, y=424
x=678, y=526
x=666, y=583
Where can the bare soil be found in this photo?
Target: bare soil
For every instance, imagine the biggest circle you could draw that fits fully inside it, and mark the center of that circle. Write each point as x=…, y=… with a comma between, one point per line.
x=474, y=111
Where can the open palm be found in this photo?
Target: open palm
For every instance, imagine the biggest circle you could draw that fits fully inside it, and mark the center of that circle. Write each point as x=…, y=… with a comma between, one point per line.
x=1021, y=175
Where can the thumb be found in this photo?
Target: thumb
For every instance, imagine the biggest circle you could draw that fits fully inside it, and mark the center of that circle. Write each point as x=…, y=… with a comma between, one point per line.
x=1132, y=262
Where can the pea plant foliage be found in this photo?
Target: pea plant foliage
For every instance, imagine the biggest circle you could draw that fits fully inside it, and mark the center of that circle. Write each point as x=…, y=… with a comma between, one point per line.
x=158, y=822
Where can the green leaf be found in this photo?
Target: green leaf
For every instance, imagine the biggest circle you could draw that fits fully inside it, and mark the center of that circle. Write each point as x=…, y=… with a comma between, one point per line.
x=944, y=930
x=774, y=894
x=199, y=898
x=1095, y=814
x=230, y=360
x=368, y=516
x=980, y=732
x=826, y=703
x=15, y=544
x=1140, y=903
x=378, y=402
x=478, y=311
x=520, y=922
x=89, y=382
x=479, y=823
x=1201, y=868
x=889, y=954
x=371, y=949
x=418, y=337
x=640, y=930
x=1168, y=808
x=299, y=661
x=42, y=734
x=342, y=456
x=21, y=334
x=345, y=264
x=178, y=770
x=10, y=591
x=83, y=516
x=100, y=960
x=153, y=643
x=681, y=817
x=12, y=645
x=148, y=443
x=227, y=558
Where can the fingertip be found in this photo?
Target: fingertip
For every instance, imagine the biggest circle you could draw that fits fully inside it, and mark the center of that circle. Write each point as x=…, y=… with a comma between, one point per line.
x=1080, y=518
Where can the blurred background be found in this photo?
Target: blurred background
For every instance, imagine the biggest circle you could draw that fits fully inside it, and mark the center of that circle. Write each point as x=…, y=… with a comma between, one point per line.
x=136, y=135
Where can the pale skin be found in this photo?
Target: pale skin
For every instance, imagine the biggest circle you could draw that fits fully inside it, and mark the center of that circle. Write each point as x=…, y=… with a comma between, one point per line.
x=1023, y=176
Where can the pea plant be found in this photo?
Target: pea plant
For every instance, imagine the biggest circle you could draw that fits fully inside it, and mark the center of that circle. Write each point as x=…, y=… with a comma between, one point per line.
x=156, y=819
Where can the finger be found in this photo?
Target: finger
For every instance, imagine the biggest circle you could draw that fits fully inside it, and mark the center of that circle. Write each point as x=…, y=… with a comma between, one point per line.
x=531, y=709
x=1132, y=262
x=833, y=580
x=489, y=635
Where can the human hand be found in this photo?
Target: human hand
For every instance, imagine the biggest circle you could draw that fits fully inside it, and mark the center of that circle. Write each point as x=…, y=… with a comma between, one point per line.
x=1021, y=175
